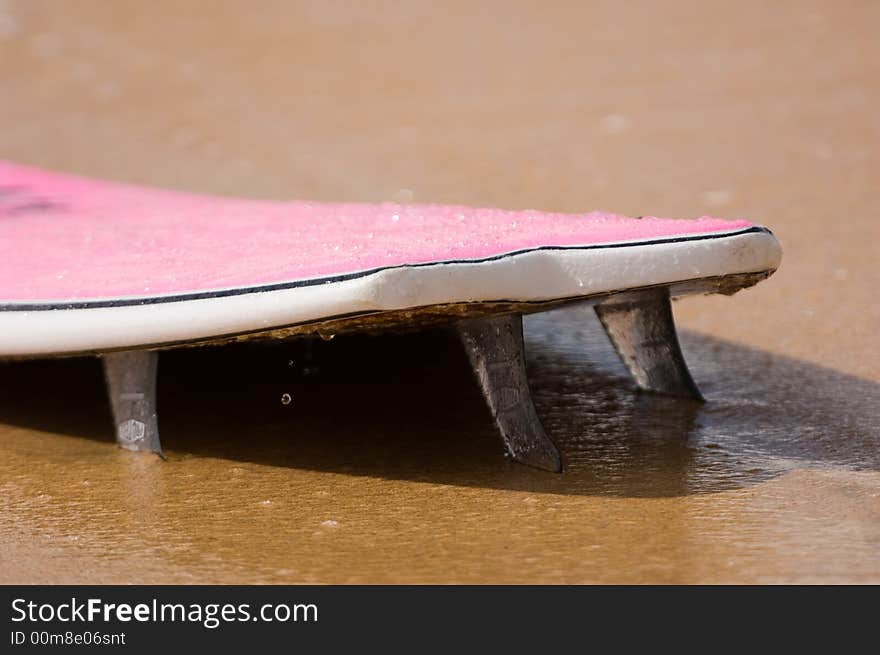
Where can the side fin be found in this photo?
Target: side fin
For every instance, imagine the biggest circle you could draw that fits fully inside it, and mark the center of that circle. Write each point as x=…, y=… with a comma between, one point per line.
x=495, y=348
x=642, y=330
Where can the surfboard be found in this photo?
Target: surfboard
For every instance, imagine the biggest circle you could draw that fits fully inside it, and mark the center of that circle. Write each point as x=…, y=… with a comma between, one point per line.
x=121, y=271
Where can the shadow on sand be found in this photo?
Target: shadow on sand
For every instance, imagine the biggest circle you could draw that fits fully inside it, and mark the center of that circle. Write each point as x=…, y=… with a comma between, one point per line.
x=406, y=407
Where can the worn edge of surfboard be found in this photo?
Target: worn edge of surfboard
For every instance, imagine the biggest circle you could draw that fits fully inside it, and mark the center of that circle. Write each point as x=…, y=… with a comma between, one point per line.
x=420, y=317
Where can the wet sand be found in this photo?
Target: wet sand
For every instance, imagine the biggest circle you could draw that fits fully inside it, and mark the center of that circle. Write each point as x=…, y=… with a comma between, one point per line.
x=385, y=467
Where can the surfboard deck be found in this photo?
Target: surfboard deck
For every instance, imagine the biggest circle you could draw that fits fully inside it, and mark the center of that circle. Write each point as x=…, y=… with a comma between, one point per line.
x=89, y=266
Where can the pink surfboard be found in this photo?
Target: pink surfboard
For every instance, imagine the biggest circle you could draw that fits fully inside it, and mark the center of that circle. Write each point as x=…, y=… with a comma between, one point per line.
x=89, y=266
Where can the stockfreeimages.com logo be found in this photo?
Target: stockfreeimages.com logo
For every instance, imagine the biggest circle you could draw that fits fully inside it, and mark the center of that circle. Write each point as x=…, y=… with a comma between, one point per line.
x=209, y=615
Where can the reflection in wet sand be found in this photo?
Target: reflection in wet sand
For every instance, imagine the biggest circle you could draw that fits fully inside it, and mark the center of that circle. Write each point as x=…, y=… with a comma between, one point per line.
x=385, y=463
x=759, y=110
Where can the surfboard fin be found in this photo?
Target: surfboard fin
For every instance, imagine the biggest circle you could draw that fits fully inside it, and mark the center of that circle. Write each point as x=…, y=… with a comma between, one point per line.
x=495, y=348
x=131, y=384
x=641, y=328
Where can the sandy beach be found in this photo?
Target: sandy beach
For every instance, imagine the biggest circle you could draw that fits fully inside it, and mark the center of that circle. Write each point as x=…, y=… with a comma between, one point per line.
x=385, y=467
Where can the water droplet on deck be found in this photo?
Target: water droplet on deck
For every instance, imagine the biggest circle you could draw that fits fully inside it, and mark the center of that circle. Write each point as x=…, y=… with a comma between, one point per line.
x=286, y=399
